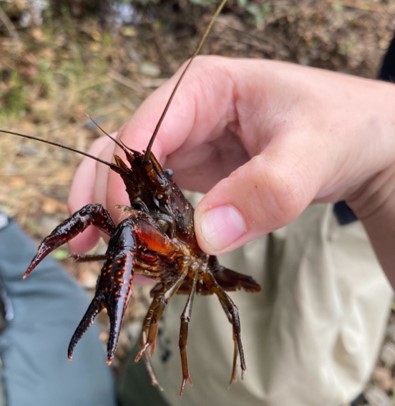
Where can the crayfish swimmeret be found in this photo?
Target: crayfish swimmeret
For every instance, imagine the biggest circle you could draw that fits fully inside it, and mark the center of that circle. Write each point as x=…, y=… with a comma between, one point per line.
x=156, y=239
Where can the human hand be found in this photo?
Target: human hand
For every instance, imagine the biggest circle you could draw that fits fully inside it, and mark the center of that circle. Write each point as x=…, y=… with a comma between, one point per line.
x=264, y=139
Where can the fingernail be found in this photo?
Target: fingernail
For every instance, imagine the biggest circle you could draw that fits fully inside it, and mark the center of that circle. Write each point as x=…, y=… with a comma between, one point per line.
x=221, y=226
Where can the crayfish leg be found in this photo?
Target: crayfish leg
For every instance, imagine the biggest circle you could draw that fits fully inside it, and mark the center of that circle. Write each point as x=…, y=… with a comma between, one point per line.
x=183, y=339
x=151, y=372
x=148, y=338
x=94, y=214
x=232, y=314
x=150, y=327
x=155, y=311
x=149, y=330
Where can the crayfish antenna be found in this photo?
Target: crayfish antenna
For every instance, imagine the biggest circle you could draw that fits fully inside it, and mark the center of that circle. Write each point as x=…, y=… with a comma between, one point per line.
x=55, y=144
x=115, y=140
x=195, y=53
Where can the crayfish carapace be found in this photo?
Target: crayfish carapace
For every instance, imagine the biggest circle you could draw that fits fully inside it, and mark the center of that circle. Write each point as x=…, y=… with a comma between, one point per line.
x=156, y=239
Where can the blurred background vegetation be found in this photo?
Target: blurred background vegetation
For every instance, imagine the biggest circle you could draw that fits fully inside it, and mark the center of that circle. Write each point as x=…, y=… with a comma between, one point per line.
x=59, y=57
x=61, y=60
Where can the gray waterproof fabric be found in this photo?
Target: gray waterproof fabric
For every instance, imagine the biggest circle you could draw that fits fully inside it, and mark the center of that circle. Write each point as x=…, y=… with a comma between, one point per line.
x=45, y=309
x=311, y=337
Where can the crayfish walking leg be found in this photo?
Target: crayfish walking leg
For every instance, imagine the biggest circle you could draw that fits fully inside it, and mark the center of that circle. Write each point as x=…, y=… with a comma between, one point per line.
x=185, y=319
x=150, y=324
x=232, y=313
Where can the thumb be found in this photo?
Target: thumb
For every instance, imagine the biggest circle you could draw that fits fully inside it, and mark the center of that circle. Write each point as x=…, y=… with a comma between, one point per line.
x=266, y=193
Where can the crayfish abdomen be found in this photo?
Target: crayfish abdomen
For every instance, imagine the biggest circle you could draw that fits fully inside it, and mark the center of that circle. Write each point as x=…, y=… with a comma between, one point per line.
x=156, y=239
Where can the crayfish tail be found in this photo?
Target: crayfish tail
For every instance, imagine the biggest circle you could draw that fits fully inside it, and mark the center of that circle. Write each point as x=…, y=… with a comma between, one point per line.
x=230, y=280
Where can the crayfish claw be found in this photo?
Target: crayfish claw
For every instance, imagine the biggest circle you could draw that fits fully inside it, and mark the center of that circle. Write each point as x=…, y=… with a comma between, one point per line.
x=45, y=248
x=89, y=214
x=113, y=287
x=93, y=310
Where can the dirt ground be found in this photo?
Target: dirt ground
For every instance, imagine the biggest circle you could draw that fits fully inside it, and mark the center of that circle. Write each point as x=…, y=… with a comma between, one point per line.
x=51, y=78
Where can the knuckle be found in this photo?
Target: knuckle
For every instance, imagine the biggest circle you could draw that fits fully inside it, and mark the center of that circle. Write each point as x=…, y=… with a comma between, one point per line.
x=282, y=194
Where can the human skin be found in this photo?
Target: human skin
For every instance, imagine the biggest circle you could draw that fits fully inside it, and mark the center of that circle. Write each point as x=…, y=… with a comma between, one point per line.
x=263, y=139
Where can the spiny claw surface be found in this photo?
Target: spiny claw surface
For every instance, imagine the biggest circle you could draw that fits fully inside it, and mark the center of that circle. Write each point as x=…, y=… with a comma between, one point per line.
x=113, y=287
x=90, y=214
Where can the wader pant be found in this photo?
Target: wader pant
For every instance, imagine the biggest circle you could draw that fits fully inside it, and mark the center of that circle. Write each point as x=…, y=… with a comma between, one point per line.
x=41, y=314
x=311, y=336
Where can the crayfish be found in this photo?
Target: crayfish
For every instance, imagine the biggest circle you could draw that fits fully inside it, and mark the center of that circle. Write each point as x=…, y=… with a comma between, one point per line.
x=156, y=239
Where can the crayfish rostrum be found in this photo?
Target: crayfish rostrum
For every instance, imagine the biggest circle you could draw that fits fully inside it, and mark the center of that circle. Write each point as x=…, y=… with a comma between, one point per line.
x=156, y=239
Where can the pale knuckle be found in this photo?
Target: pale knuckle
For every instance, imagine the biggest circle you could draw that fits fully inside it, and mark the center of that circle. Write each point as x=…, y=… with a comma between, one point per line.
x=285, y=195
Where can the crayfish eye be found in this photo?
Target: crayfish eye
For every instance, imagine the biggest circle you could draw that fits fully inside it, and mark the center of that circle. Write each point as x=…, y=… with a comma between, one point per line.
x=169, y=173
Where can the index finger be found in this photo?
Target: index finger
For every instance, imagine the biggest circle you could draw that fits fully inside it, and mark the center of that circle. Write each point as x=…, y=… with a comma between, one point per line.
x=202, y=106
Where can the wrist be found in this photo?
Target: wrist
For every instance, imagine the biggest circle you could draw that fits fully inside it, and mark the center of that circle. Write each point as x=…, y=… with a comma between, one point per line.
x=376, y=154
x=374, y=195
x=375, y=207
